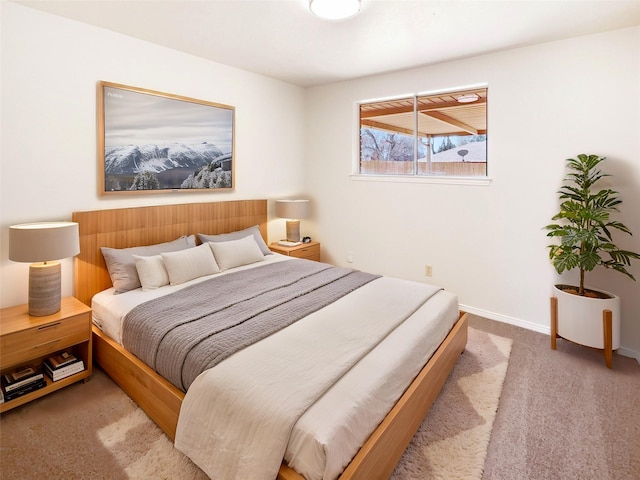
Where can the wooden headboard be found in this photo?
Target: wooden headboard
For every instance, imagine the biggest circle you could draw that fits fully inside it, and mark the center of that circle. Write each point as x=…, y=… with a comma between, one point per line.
x=130, y=227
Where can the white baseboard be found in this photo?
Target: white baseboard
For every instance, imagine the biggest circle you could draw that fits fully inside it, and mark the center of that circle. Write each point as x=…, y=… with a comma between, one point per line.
x=627, y=352
x=536, y=327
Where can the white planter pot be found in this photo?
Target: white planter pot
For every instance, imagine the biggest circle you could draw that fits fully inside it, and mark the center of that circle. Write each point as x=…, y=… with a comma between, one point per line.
x=580, y=318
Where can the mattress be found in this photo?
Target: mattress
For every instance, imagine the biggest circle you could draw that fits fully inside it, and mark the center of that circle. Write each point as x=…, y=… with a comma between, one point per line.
x=329, y=433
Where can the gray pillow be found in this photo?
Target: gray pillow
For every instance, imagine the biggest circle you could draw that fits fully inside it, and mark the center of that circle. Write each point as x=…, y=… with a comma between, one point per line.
x=122, y=265
x=238, y=235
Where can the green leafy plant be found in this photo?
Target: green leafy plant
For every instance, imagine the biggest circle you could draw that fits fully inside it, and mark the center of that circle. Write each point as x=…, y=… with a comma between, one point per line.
x=585, y=231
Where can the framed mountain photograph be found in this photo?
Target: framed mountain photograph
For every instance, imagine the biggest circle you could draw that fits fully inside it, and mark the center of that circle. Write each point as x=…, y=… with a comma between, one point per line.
x=154, y=142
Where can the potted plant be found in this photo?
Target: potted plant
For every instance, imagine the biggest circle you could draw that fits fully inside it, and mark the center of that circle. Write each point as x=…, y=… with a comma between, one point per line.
x=584, y=230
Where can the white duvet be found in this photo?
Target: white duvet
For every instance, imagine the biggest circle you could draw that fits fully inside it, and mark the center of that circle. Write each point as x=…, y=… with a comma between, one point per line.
x=316, y=438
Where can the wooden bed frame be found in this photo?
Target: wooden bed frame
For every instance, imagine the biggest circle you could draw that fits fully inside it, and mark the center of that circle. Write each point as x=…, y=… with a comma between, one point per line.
x=121, y=228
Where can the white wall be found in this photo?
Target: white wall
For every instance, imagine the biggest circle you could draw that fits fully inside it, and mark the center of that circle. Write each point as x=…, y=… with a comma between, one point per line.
x=50, y=68
x=486, y=243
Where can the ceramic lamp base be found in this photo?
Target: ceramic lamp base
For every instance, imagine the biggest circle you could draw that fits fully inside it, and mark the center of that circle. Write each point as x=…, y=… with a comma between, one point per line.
x=293, y=230
x=44, y=288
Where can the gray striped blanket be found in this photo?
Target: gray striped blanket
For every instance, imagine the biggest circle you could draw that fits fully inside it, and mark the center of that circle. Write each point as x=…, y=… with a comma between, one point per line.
x=187, y=332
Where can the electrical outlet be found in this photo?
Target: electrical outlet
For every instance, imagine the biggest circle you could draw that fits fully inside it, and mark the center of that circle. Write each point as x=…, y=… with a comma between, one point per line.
x=428, y=270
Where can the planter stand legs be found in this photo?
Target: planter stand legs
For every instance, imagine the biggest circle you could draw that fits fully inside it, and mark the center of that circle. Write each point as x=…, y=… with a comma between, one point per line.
x=554, y=322
x=608, y=336
x=607, y=331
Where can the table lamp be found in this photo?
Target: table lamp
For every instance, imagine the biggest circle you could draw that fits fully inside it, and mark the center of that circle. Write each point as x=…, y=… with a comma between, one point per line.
x=43, y=243
x=293, y=211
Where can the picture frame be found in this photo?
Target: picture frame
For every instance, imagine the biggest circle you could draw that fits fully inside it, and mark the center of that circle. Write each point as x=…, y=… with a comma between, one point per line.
x=156, y=142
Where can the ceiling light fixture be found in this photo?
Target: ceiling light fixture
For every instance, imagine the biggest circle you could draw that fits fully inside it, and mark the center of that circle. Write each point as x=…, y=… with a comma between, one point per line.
x=467, y=98
x=334, y=9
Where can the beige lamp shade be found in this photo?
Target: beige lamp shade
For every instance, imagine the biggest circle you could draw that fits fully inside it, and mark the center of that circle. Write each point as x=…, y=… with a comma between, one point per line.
x=293, y=211
x=43, y=242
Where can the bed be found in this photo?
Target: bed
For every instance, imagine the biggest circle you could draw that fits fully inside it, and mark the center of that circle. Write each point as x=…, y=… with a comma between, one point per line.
x=161, y=399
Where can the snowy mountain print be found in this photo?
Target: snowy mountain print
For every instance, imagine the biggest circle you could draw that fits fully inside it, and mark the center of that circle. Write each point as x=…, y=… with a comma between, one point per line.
x=168, y=166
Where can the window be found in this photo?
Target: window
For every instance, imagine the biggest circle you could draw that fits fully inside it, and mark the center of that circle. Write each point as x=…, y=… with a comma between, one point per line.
x=442, y=134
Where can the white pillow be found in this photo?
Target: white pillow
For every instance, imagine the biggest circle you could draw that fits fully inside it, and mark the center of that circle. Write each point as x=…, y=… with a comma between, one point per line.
x=151, y=271
x=236, y=252
x=188, y=264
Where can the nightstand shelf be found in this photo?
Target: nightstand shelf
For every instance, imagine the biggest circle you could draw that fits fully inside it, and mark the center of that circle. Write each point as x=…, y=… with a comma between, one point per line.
x=310, y=251
x=27, y=340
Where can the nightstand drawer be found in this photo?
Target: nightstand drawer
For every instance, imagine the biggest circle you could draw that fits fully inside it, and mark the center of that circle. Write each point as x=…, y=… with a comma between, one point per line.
x=43, y=340
x=311, y=252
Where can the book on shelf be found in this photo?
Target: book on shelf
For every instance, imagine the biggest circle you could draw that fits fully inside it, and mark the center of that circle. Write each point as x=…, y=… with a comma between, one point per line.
x=20, y=377
x=62, y=359
x=18, y=392
x=63, y=372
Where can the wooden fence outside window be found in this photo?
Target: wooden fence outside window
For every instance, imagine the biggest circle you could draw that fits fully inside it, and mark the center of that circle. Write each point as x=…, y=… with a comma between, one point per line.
x=455, y=169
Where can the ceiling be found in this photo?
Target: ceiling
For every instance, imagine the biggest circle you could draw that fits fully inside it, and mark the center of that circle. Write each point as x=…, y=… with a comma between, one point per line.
x=283, y=40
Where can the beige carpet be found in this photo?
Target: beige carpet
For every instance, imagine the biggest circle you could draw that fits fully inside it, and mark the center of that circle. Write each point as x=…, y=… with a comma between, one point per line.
x=452, y=441
x=563, y=414
x=94, y=431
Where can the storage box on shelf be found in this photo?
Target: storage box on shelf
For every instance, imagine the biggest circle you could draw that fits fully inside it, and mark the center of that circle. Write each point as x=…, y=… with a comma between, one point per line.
x=28, y=341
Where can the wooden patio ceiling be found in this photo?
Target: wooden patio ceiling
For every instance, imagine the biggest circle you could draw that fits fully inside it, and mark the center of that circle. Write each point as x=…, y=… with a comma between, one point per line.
x=440, y=114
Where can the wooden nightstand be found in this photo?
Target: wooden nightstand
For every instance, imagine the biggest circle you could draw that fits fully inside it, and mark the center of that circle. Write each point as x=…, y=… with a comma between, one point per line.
x=310, y=251
x=27, y=340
